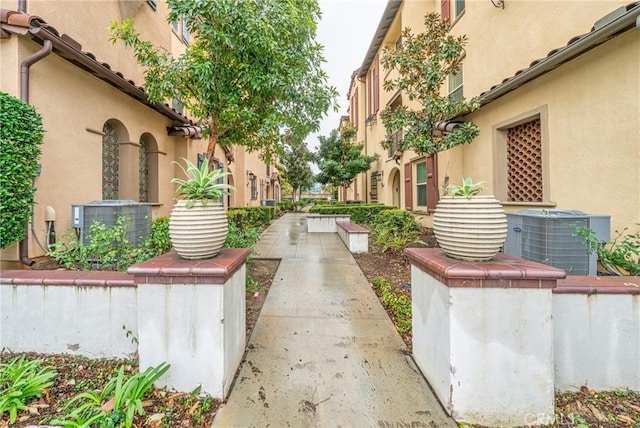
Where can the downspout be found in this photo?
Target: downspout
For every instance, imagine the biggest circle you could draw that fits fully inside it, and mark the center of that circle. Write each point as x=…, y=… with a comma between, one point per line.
x=22, y=6
x=24, y=96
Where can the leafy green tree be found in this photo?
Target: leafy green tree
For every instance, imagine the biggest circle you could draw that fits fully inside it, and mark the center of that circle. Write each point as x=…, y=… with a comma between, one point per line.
x=340, y=159
x=294, y=166
x=423, y=62
x=21, y=135
x=252, y=69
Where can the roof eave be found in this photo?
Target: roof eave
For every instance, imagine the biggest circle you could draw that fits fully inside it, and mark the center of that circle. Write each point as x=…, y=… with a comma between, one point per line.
x=101, y=71
x=387, y=18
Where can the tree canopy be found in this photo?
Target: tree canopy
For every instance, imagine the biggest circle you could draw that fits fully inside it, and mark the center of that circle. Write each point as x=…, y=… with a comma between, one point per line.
x=294, y=165
x=252, y=69
x=340, y=159
x=424, y=61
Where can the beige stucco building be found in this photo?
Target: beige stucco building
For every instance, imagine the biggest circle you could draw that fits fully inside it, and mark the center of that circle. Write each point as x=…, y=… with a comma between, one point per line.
x=559, y=124
x=103, y=139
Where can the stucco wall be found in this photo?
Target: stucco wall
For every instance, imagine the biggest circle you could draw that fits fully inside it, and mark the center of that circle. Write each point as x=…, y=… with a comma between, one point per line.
x=89, y=321
x=597, y=341
x=503, y=41
x=592, y=159
x=197, y=328
x=88, y=23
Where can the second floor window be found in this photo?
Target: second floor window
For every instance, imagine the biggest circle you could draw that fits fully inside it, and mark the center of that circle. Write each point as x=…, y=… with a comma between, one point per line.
x=185, y=31
x=373, y=102
x=455, y=85
x=353, y=108
x=459, y=8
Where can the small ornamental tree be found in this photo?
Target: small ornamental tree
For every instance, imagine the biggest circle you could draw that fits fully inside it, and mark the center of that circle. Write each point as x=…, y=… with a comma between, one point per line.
x=294, y=166
x=423, y=63
x=340, y=159
x=21, y=135
x=252, y=68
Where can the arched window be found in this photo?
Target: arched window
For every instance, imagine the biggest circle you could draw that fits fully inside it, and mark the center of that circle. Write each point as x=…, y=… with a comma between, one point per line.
x=110, y=161
x=148, y=169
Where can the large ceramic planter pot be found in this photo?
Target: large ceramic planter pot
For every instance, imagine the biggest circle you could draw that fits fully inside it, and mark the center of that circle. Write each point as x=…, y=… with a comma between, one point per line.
x=470, y=229
x=198, y=232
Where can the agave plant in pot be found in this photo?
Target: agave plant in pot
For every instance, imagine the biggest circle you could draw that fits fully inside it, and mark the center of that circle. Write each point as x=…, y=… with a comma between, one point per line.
x=469, y=226
x=198, y=222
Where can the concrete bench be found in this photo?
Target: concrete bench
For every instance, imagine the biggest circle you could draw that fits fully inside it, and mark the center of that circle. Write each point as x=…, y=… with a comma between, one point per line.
x=325, y=223
x=354, y=236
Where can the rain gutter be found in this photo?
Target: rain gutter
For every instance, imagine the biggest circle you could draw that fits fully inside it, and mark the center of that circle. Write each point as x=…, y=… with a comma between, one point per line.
x=24, y=96
x=67, y=49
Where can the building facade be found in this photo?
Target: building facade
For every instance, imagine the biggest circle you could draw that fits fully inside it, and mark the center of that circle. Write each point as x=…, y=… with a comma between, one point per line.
x=559, y=120
x=103, y=139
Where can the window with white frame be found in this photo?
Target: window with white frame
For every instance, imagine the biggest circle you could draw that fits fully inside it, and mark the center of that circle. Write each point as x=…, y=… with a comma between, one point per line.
x=456, y=84
x=185, y=31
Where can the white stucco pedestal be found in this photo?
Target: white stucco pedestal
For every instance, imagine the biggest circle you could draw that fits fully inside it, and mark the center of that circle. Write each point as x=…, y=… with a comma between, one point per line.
x=483, y=336
x=192, y=315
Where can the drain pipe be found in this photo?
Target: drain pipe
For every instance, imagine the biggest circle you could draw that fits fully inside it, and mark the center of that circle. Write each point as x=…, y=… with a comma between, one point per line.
x=24, y=96
x=22, y=6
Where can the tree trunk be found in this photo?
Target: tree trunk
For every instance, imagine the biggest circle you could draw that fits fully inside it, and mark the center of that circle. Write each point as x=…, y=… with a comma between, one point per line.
x=213, y=141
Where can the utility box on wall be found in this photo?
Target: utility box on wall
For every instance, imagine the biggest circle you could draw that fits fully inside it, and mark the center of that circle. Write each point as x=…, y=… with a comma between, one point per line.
x=546, y=236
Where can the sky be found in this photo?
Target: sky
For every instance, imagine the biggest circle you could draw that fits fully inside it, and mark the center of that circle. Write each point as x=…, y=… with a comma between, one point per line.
x=345, y=30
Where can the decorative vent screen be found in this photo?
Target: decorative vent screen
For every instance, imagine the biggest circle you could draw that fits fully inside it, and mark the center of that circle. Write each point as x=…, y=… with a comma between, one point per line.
x=524, y=162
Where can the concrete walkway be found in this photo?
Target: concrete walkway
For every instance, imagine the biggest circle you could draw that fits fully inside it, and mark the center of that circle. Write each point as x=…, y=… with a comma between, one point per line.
x=323, y=352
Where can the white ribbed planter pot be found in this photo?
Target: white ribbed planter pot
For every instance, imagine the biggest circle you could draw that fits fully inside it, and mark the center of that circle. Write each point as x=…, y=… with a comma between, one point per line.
x=198, y=232
x=470, y=229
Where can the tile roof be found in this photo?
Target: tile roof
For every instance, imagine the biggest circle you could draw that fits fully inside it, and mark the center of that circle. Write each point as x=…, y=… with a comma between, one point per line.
x=12, y=22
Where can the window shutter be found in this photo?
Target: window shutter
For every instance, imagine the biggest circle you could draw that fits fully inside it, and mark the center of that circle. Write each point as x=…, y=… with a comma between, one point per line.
x=376, y=89
x=445, y=10
x=408, y=187
x=432, y=183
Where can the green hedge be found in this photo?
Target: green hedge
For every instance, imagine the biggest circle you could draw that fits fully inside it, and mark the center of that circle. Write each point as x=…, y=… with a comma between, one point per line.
x=363, y=214
x=21, y=135
x=253, y=216
x=286, y=205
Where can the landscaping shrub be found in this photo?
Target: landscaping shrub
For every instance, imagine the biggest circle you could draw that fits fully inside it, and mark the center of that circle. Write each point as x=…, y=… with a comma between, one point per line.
x=362, y=214
x=394, y=229
x=241, y=237
x=285, y=205
x=109, y=247
x=21, y=135
x=253, y=216
x=621, y=255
